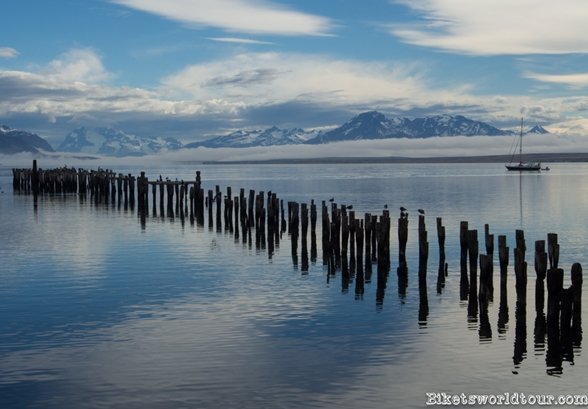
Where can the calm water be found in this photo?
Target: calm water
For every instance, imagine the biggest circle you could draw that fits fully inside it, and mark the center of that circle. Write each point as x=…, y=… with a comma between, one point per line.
x=97, y=312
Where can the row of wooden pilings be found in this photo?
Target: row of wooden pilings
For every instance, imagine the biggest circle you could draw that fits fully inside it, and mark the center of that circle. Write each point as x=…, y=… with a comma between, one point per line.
x=350, y=245
x=102, y=185
x=563, y=321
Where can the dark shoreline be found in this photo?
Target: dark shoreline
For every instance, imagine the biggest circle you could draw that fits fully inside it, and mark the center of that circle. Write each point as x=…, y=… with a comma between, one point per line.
x=538, y=157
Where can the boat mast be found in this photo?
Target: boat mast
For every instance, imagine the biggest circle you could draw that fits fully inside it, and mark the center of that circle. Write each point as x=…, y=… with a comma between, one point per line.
x=521, y=143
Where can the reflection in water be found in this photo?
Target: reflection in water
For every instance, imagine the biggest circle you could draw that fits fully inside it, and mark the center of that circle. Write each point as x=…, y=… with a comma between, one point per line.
x=520, y=342
x=485, y=331
x=402, y=270
x=503, y=308
x=296, y=314
x=423, y=258
x=539, y=334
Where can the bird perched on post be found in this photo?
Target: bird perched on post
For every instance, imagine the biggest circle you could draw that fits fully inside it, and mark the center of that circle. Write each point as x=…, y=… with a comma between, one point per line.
x=421, y=211
x=403, y=213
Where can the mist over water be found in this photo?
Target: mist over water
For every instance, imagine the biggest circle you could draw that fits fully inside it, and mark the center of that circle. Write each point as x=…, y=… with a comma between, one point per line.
x=98, y=311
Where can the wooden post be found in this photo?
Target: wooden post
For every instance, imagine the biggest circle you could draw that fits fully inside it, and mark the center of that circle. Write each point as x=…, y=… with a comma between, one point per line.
x=313, y=216
x=237, y=217
x=35, y=183
x=541, y=271
x=463, y=243
x=368, y=233
x=294, y=231
x=304, y=238
x=473, y=289
x=520, y=266
x=489, y=241
x=423, y=257
x=577, y=279
x=359, y=280
x=402, y=270
x=210, y=204
x=442, y=270
x=218, y=200
x=251, y=203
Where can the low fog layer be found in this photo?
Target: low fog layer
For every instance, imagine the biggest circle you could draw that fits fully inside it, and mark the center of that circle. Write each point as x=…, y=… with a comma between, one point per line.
x=412, y=148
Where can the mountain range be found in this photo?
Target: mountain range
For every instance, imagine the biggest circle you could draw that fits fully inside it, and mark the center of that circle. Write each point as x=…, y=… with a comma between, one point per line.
x=367, y=125
x=112, y=142
x=14, y=141
x=267, y=137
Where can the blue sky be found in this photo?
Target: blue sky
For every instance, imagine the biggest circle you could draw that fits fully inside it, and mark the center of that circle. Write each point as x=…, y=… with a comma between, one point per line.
x=196, y=68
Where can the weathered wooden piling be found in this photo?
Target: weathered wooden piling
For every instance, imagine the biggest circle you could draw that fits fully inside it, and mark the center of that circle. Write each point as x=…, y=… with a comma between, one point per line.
x=442, y=269
x=243, y=218
x=555, y=276
x=472, y=239
x=541, y=272
x=554, y=281
x=344, y=234
x=209, y=204
x=313, y=216
x=489, y=242
x=352, y=246
x=304, y=242
x=463, y=260
x=35, y=182
x=368, y=232
x=520, y=266
x=402, y=270
x=359, y=279
x=503, y=314
x=294, y=230
x=383, y=243
x=423, y=257
x=577, y=280
x=326, y=233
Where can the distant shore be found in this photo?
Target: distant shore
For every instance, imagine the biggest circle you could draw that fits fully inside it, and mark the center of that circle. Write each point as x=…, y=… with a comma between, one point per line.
x=539, y=157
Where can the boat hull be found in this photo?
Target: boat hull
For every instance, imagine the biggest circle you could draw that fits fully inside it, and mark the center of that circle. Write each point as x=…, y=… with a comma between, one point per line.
x=524, y=167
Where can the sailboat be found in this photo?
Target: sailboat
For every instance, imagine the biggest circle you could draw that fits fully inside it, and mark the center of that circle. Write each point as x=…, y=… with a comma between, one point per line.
x=522, y=165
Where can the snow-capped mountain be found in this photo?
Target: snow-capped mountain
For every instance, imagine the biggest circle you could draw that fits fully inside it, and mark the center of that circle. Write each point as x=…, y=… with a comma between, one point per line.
x=267, y=137
x=112, y=142
x=14, y=141
x=375, y=125
x=537, y=129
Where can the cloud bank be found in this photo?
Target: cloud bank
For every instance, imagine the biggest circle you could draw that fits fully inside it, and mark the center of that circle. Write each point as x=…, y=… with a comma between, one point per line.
x=498, y=27
x=244, y=16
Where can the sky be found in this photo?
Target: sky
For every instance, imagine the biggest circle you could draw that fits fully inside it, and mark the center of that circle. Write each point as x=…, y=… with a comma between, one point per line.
x=193, y=69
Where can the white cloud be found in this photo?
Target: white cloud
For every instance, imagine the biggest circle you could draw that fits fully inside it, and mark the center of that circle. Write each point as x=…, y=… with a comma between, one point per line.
x=271, y=78
x=578, y=80
x=239, y=40
x=78, y=65
x=8, y=52
x=499, y=26
x=245, y=16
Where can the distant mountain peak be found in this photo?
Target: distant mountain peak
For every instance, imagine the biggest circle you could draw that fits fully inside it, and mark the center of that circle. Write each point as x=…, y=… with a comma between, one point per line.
x=14, y=141
x=538, y=129
x=375, y=125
